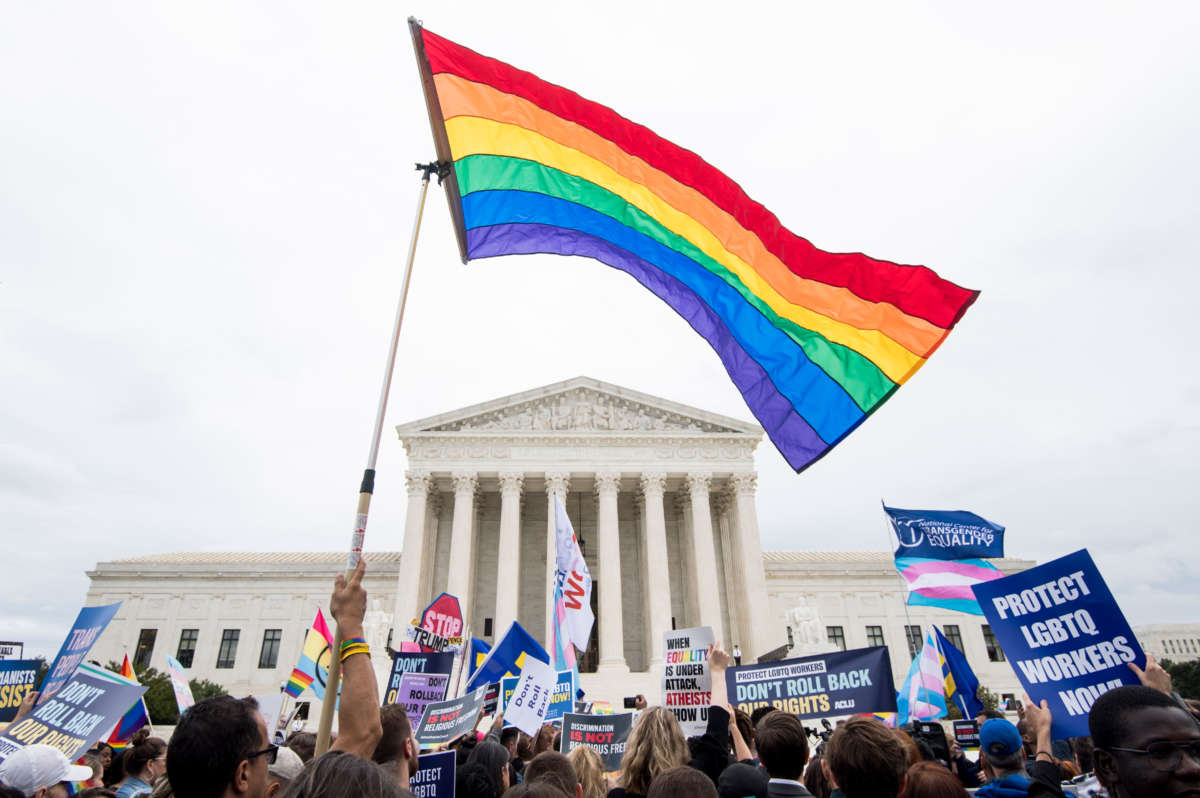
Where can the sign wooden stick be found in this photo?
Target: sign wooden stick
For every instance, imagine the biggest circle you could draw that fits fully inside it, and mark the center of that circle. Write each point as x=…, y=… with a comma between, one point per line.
x=368, y=480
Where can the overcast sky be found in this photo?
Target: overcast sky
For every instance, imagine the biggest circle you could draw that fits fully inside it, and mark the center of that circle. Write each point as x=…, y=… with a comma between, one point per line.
x=205, y=207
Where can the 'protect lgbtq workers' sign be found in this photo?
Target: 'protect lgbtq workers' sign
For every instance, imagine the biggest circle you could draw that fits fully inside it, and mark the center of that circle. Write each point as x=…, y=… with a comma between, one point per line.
x=687, y=684
x=1064, y=634
x=839, y=683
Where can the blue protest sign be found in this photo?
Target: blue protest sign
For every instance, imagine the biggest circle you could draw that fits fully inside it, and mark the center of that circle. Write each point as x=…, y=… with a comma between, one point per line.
x=945, y=534
x=17, y=677
x=1064, y=634
x=434, y=777
x=78, y=715
x=563, y=700
x=839, y=683
x=90, y=623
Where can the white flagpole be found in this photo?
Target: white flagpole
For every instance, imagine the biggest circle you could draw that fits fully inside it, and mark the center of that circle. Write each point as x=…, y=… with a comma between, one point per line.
x=325, y=727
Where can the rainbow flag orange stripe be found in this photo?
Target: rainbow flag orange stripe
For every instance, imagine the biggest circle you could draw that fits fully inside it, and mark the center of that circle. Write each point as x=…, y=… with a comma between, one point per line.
x=814, y=341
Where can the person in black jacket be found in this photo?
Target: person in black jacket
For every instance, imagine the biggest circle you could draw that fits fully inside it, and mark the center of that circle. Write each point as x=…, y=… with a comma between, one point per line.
x=783, y=751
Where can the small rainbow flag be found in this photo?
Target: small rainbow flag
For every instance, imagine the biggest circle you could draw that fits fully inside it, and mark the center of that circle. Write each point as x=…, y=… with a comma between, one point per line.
x=314, y=659
x=814, y=341
x=132, y=720
x=945, y=583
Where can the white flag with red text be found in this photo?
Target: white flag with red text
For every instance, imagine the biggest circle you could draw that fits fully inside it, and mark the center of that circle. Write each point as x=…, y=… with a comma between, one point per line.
x=573, y=579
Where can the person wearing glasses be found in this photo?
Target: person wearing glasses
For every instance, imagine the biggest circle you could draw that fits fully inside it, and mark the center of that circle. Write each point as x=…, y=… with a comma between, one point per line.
x=220, y=749
x=145, y=761
x=1147, y=744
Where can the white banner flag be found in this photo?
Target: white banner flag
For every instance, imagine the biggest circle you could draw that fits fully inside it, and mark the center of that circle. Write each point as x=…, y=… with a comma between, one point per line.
x=573, y=578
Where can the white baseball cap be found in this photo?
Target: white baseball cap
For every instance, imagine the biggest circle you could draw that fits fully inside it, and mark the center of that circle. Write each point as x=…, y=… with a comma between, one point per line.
x=287, y=764
x=37, y=766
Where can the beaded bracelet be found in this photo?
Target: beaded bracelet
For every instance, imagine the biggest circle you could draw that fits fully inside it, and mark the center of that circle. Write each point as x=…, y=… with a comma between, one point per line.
x=352, y=646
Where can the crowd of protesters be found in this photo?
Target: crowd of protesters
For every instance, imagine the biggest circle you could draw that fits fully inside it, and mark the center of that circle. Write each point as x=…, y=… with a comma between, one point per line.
x=1145, y=742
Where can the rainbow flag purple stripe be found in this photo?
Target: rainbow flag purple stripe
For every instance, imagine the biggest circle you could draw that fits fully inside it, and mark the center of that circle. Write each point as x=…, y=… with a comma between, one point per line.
x=945, y=583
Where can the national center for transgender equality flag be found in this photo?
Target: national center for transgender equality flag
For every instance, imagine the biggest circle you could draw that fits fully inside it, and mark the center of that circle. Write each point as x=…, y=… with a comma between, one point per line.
x=814, y=341
x=131, y=721
x=313, y=667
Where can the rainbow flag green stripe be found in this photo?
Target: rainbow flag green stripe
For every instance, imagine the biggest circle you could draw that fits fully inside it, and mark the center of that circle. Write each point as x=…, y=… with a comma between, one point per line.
x=855, y=373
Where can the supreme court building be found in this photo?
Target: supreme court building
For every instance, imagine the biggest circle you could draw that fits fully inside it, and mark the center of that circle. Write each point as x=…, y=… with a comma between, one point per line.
x=662, y=499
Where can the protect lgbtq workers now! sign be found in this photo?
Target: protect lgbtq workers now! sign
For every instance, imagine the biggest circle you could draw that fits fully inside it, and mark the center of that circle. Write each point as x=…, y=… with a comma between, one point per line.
x=1064, y=634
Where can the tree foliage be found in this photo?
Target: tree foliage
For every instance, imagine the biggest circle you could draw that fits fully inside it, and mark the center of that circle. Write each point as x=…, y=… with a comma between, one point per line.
x=160, y=695
x=1185, y=677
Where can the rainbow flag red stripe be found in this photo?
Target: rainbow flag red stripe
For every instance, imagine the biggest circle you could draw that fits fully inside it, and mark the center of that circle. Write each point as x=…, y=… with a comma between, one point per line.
x=815, y=341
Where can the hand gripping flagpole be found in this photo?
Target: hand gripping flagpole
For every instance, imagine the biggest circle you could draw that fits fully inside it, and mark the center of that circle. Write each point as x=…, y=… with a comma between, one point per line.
x=368, y=478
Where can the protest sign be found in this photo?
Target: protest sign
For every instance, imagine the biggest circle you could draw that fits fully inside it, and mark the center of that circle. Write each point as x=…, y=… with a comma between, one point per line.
x=434, y=777
x=604, y=734
x=180, y=684
x=1064, y=634
x=445, y=720
x=563, y=699
x=90, y=622
x=11, y=649
x=78, y=715
x=416, y=662
x=687, y=684
x=839, y=683
x=491, y=699
x=440, y=627
x=419, y=690
x=531, y=699
x=17, y=677
x=966, y=733
x=561, y=702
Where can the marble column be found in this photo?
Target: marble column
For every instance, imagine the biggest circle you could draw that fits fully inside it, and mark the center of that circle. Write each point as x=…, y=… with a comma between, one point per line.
x=687, y=549
x=756, y=631
x=508, y=558
x=408, y=588
x=731, y=571
x=707, y=599
x=608, y=549
x=557, y=484
x=459, y=578
x=433, y=514
x=656, y=579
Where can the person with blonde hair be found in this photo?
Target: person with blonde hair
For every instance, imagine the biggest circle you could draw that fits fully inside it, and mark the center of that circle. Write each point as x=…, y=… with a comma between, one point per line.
x=589, y=770
x=656, y=744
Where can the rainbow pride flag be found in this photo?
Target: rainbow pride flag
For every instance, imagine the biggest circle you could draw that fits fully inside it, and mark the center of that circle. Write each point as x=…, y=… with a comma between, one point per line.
x=314, y=658
x=945, y=583
x=814, y=341
x=131, y=721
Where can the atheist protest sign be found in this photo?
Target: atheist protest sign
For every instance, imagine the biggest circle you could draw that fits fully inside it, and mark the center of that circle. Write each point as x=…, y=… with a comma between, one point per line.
x=839, y=683
x=17, y=677
x=687, y=683
x=604, y=734
x=90, y=622
x=440, y=626
x=1064, y=634
x=416, y=662
x=78, y=715
x=445, y=720
x=434, y=777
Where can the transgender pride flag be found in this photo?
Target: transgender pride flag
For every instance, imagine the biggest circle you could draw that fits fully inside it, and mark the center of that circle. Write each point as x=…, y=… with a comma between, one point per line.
x=945, y=583
x=922, y=696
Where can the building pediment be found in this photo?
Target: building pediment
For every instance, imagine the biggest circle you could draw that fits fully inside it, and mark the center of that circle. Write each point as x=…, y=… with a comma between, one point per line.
x=581, y=405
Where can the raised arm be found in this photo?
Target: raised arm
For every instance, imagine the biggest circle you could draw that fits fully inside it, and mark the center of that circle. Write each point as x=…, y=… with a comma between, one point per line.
x=359, y=728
